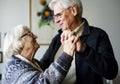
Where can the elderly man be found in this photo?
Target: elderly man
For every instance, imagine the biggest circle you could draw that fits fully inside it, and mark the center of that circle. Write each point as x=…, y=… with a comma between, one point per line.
x=94, y=58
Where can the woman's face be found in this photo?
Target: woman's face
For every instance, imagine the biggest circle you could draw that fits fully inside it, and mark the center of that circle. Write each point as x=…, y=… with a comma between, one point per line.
x=30, y=40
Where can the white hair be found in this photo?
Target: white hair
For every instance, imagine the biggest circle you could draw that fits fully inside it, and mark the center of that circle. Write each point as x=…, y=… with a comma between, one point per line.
x=13, y=41
x=67, y=4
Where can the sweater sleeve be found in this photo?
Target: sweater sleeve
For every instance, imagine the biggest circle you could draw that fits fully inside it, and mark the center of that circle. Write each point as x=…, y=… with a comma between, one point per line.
x=55, y=73
x=58, y=69
x=64, y=61
x=20, y=72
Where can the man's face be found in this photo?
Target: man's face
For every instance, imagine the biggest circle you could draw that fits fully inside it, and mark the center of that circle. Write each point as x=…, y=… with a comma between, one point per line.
x=63, y=17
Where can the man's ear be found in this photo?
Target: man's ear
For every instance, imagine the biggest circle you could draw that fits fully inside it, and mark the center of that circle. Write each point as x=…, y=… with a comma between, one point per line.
x=74, y=10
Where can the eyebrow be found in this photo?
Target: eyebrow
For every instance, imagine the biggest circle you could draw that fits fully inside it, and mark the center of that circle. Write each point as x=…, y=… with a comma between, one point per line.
x=57, y=14
x=23, y=35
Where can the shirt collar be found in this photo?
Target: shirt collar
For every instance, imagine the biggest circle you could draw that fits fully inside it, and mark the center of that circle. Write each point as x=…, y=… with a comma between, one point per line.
x=34, y=63
x=79, y=29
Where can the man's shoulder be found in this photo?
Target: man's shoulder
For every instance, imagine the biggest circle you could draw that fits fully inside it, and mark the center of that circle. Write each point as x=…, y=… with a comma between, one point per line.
x=57, y=36
x=97, y=30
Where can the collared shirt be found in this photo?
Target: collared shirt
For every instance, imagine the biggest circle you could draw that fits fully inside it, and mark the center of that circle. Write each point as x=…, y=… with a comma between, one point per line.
x=79, y=29
x=71, y=76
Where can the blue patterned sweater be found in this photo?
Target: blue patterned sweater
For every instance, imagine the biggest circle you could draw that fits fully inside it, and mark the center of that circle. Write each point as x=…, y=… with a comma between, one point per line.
x=18, y=71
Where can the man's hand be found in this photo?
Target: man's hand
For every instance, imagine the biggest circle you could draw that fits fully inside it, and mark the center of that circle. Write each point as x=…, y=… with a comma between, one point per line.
x=68, y=40
x=68, y=34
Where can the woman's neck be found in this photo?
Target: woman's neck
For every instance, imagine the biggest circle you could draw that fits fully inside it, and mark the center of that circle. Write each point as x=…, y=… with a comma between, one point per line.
x=28, y=54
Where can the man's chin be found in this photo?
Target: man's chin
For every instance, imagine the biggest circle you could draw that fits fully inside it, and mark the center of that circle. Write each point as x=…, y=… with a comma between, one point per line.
x=63, y=28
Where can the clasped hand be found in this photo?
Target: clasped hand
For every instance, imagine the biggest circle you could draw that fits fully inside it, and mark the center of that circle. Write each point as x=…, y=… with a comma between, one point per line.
x=71, y=42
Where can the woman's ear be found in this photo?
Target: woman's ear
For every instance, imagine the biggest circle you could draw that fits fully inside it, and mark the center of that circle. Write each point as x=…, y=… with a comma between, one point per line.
x=74, y=10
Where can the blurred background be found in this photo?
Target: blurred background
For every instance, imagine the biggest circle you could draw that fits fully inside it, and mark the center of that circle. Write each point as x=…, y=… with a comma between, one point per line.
x=101, y=13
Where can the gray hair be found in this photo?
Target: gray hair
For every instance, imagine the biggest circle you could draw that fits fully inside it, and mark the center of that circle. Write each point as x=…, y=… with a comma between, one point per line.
x=13, y=41
x=67, y=4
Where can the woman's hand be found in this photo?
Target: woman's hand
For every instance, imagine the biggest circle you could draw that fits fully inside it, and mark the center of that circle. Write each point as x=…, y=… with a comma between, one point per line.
x=68, y=40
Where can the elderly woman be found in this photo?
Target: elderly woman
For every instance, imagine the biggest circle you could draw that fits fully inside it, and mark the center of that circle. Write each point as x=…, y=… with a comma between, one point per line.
x=20, y=45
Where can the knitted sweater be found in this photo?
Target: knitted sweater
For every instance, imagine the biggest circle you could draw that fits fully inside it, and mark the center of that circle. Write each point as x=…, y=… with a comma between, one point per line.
x=18, y=71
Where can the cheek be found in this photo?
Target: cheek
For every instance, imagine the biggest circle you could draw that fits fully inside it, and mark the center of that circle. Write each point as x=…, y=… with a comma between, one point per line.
x=70, y=21
x=30, y=41
x=67, y=22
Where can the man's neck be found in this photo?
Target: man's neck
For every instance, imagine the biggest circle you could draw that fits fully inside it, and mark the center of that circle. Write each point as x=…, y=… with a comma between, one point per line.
x=76, y=24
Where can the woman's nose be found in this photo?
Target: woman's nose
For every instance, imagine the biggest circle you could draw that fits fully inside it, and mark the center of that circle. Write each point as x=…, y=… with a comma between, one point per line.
x=35, y=36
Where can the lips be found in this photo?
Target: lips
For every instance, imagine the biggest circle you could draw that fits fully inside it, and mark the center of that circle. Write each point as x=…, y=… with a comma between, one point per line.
x=61, y=24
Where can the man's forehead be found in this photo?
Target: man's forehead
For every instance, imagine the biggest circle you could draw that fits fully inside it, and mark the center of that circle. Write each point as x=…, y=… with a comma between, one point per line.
x=57, y=10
